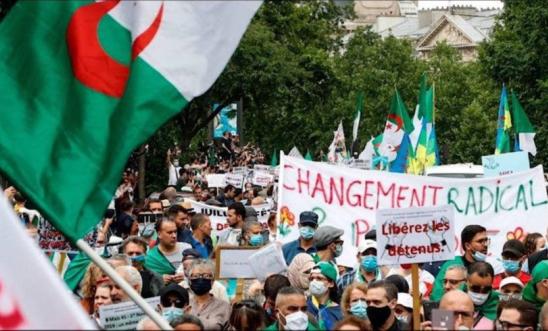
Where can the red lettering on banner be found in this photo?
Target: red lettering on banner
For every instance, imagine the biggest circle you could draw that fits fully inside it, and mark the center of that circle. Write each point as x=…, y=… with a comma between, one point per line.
x=289, y=188
x=333, y=189
x=358, y=201
x=381, y=191
x=435, y=194
x=401, y=197
x=366, y=194
x=362, y=227
x=415, y=197
x=318, y=186
x=301, y=181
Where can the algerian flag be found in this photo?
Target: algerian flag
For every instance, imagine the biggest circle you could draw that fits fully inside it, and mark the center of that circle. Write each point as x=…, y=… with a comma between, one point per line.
x=337, y=149
x=417, y=117
x=504, y=124
x=368, y=153
x=357, y=115
x=84, y=83
x=525, y=131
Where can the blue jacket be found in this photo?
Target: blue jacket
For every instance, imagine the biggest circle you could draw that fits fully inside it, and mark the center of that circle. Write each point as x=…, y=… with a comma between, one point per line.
x=327, y=316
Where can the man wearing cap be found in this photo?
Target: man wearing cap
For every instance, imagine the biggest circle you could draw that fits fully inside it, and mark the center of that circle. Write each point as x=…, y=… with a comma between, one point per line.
x=329, y=245
x=308, y=223
x=513, y=254
x=322, y=302
x=510, y=288
x=174, y=301
x=404, y=308
x=536, y=291
x=367, y=270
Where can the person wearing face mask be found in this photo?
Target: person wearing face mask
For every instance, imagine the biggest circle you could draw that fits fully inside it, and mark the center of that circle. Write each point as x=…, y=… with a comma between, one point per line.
x=174, y=302
x=213, y=313
x=323, y=301
x=381, y=300
x=353, y=301
x=475, y=244
x=135, y=248
x=404, y=308
x=510, y=288
x=367, y=270
x=479, y=286
x=291, y=311
x=253, y=234
x=218, y=290
x=308, y=223
x=329, y=245
x=173, y=167
x=272, y=286
x=513, y=255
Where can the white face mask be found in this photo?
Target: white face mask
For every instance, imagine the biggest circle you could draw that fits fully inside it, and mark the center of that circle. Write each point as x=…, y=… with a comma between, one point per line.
x=478, y=298
x=296, y=321
x=317, y=288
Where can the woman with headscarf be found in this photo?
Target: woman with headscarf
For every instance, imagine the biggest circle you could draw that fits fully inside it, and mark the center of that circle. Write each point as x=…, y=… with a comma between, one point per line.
x=299, y=270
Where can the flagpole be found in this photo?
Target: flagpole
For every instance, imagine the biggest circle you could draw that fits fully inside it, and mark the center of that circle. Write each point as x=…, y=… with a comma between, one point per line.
x=116, y=278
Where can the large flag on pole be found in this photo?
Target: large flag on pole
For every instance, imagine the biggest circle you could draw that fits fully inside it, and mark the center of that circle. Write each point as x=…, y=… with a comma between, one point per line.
x=426, y=152
x=419, y=112
x=395, y=140
x=337, y=149
x=525, y=132
x=504, y=124
x=84, y=83
x=32, y=296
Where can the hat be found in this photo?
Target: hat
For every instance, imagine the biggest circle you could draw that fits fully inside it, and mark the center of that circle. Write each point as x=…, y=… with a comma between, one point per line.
x=326, y=234
x=308, y=218
x=186, y=189
x=192, y=253
x=187, y=206
x=540, y=272
x=250, y=214
x=326, y=269
x=176, y=289
x=511, y=280
x=405, y=299
x=367, y=244
x=372, y=234
x=514, y=247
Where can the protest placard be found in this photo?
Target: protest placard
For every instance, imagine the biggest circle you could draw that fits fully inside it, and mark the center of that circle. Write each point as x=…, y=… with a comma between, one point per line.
x=233, y=262
x=124, y=315
x=215, y=180
x=218, y=215
x=239, y=170
x=261, y=178
x=267, y=261
x=505, y=163
x=237, y=180
x=348, y=198
x=415, y=235
x=262, y=167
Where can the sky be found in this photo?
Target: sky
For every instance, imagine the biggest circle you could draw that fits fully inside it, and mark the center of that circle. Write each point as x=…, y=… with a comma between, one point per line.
x=425, y=4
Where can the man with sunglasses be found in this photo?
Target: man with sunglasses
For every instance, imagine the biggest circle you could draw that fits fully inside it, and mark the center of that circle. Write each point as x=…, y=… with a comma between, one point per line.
x=517, y=315
x=479, y=286
x=174, y=301
x=475, y=244
x=455, y=277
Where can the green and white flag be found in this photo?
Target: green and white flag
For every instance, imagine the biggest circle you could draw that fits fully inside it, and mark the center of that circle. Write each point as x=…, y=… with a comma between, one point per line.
x=357, y=116
x=525, y=139
x=84, y=83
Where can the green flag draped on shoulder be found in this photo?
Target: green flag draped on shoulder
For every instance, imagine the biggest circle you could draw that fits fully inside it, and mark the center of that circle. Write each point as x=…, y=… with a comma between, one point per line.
x=157, y=262
x=84, y=83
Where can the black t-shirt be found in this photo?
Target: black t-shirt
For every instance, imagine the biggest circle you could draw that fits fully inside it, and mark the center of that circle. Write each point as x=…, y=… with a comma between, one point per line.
x=123, y=225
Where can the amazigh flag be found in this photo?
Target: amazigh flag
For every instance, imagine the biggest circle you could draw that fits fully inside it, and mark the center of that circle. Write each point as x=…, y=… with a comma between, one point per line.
x=357, y=115
x=419, y=112
x=426, y=152
x=525, y=140
x=395, y=141
x=504, y=124
x=84, y=83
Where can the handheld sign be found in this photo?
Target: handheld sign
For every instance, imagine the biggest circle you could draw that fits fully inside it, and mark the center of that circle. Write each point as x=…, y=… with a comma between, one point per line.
x=124, y=315
x=415, y=235
x=262, y=178
x=215, y=180
x=504, y=164
x=237, y=180
x=267, y=261
x=233, y=262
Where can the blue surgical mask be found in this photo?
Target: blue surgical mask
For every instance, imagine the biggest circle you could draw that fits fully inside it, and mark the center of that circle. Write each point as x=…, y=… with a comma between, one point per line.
x=338, y=250
x=510, y=266
x=307, y=232
x=479, y=256
x=138, y=259
x=171, y=313
x=256, y=240
x=359, y=309
x=369, y=263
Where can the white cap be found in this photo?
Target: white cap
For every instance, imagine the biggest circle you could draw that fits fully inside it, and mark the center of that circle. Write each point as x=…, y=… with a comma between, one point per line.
x=366, y=244
x=405, y=299
x=511, y=280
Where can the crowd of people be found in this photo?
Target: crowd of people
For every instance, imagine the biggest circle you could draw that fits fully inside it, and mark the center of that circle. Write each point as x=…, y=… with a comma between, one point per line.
x=167, y=249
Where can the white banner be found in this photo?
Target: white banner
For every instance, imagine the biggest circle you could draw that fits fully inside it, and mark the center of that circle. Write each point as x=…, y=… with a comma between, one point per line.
x=124, y=315
x=215, y=180
x=218, y=215
x=32, y=295
x=237, y=180
x=262, y=179
x=509, y=206
x=415, y=235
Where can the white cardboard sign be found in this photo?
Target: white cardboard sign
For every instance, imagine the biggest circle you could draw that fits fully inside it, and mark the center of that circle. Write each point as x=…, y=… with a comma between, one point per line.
x=261, y=178
x=237, y=180
x=124, y=315
x=415, y=235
